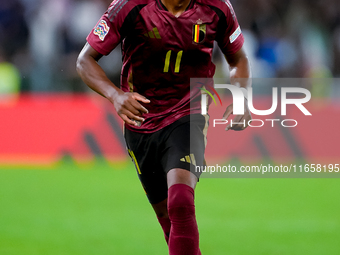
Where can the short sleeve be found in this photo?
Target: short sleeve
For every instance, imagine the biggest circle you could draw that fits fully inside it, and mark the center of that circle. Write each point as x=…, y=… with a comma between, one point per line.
x=230, y=38
x=106, y=35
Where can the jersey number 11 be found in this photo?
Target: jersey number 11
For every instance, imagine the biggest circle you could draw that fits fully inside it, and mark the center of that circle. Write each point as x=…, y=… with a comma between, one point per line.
x=167, y=61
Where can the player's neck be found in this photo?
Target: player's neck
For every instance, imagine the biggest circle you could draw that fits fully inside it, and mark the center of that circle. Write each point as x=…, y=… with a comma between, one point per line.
x=176, y=7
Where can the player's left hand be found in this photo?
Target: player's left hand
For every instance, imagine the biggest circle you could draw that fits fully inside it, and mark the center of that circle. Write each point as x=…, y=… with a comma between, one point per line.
x=242, y=120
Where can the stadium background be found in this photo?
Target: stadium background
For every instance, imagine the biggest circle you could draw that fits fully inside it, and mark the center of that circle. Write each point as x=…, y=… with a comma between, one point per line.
x=68, y=187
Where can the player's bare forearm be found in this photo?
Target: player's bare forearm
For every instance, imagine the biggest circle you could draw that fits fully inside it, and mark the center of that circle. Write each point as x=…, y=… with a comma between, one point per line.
x=93, y=75
x=125, y=103
x=240, y=75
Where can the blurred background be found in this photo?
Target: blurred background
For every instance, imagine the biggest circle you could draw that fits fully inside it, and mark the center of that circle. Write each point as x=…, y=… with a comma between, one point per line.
x=40, y=40
x=89, y=200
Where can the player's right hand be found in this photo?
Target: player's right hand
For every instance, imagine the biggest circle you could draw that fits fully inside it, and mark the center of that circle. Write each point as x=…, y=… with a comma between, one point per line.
x=128, y=107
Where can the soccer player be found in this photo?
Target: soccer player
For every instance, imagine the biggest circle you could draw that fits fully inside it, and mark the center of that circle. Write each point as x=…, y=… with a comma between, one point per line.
x=164, y=44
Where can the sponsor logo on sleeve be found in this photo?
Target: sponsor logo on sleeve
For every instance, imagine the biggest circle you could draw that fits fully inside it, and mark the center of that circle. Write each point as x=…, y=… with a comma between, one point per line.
x=102, y=29
x=235, y=35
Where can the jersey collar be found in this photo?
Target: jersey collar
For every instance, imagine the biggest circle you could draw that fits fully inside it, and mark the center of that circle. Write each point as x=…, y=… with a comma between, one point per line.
x=161, y=6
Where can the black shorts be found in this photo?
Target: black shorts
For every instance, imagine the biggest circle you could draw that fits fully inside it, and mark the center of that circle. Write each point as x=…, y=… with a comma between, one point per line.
x=179, y=145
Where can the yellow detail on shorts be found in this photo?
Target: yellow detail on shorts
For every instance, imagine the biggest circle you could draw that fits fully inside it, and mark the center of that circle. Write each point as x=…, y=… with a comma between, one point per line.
x=193, y=160
x=189, y=159
x=132, y=155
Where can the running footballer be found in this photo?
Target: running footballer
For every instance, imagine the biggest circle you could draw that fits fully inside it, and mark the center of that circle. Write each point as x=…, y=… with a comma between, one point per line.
x=164, y=44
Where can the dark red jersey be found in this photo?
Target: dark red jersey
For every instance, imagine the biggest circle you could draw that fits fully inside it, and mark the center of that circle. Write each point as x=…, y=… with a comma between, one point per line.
x=162, y=52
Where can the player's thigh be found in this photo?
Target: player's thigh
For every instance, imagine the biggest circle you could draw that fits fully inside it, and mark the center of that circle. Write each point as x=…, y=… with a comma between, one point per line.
x=144, y=153
x=181, y=176
x=185, y=148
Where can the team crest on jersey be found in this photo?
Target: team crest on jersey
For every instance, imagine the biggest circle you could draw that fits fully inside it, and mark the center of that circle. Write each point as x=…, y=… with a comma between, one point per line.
x=102, y=29
x=199, y=31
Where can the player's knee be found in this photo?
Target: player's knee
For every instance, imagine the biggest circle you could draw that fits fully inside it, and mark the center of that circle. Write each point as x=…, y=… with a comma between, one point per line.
x=181, y=202
x=162, y=214
x=161, y=209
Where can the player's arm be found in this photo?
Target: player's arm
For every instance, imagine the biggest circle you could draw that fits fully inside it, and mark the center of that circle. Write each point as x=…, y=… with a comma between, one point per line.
x=240, y=75
x=125, y=103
